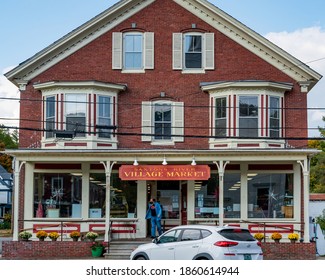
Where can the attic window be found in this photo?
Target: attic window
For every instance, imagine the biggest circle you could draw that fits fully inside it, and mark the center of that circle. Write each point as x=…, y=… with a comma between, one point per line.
x=133, y=51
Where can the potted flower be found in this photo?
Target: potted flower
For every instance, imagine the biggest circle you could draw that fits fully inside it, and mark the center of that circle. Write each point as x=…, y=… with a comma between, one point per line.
x=54, y=235
x=75, y=235
x=25, y=235
x=276, y=236
x=259, y=236
x=91, y=235
x=41, y=235
x=293, y=237
x=97, y=249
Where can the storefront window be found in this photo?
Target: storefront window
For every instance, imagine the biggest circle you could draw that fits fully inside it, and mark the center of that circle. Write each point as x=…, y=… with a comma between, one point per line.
x=123, y=197
x=168, y=197
x=57, y=195
x=232, y=189
x=270, y=195
x=207, y=198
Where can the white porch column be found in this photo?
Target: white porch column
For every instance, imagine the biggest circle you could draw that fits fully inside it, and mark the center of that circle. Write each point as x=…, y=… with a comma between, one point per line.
x=305, y=169
x=221, y=169
x=17, y=167
x=108, y=171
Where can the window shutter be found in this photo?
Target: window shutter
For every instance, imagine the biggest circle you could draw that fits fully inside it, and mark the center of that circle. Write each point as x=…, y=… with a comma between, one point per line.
x=117, y=50
x=146, y=121
x=177, y=51
x=149, y=50
x=209, y=51
x=178, y=121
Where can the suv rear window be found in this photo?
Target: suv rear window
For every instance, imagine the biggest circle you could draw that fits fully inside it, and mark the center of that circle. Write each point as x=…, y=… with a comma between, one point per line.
x=237, y=234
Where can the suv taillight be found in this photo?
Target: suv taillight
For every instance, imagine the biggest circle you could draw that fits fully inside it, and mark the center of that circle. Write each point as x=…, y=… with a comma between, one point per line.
x=225, y=243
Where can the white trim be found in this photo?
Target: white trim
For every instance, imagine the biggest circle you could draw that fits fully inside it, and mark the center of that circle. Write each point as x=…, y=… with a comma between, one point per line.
x=77, y=39
x=251, y=40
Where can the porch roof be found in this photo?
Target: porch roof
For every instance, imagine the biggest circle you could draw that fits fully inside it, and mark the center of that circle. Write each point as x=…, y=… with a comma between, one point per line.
x=154, y=156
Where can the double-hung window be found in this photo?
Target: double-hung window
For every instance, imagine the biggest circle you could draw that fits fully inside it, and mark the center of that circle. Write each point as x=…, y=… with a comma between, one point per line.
x=221, y=117
x=75, y=113
x=248, y=116
x=193, y=51
x=162, y=122
x=133, y=51
x=104, y=120
x=274, y=117
x=50, y=116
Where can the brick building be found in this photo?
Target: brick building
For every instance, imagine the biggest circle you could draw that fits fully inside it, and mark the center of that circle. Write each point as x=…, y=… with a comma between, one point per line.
x=167, y=98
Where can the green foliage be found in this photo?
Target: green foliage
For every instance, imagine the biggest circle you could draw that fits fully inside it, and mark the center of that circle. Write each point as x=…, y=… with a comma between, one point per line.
x=8, y=140
x=317, y=164
x=321, y=221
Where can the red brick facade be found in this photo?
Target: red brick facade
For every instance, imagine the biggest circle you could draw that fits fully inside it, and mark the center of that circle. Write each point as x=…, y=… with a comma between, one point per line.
x=94, y=62
x=21, y=250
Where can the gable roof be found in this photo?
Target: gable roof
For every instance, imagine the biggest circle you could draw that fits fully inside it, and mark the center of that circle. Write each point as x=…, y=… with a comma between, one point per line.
x=124, y=9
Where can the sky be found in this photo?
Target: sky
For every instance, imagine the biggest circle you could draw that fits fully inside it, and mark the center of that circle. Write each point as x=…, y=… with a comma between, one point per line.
x=28, y=26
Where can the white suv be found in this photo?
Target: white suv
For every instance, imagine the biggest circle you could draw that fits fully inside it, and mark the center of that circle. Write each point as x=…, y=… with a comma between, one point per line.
x=201, y=242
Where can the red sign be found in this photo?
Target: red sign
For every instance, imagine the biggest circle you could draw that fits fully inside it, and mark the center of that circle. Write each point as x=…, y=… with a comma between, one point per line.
x=164, y=172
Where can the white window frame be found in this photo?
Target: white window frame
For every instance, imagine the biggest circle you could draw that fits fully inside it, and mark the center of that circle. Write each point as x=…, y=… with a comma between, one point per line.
x=279, y=130
x=92, y=90
x=49, y=134
x=216, y=118
x=118, y=51
x=109, y=118
x=207, y=49
x=177, y=130
x=258, y=128
x=67, y=103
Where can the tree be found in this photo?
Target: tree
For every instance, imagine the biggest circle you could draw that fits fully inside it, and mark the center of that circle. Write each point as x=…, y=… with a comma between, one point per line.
x=317, y=164
x=8, y=140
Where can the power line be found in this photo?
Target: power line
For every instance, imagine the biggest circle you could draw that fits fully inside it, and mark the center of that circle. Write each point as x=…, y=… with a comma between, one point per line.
x=171, y=135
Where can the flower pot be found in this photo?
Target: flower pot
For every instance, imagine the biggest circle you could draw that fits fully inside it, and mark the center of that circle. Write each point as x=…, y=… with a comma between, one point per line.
x=75, y=239
x=54, y=239
x=41, y=238
x=24, y=239
x=293, y=241
x=277, y=240
x=97, y=252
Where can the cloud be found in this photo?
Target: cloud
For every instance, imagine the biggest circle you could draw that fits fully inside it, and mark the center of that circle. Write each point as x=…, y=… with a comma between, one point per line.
x=8, y=101
x=307, y=45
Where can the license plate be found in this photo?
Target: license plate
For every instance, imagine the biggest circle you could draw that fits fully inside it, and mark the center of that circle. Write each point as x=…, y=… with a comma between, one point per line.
x=247, y=257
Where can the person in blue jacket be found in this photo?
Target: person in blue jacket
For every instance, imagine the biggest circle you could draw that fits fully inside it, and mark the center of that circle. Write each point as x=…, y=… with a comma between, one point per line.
x=154, y=213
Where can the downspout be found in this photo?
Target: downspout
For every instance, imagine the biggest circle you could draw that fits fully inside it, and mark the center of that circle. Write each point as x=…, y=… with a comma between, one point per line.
x=221, y=170
x=305, y=168
x=108, y=171
x=17, y=168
